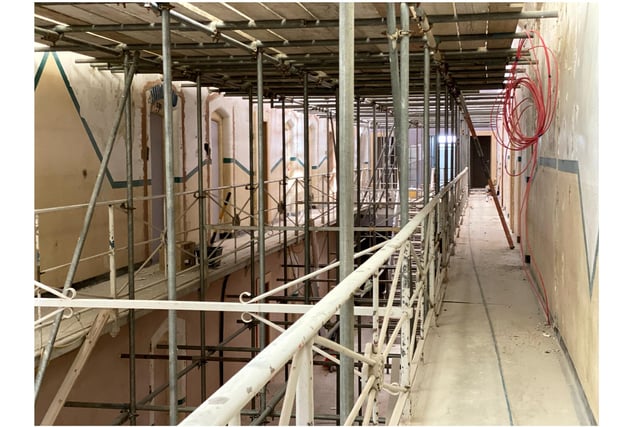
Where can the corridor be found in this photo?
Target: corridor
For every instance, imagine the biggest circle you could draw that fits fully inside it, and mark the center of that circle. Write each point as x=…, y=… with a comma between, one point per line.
x=321, y=155
x=492, y=360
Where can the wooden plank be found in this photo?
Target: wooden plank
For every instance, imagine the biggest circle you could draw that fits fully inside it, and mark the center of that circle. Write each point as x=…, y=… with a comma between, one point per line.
x=76, y=367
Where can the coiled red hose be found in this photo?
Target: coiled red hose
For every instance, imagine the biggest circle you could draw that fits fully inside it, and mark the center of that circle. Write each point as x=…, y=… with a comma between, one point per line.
x=528, y=100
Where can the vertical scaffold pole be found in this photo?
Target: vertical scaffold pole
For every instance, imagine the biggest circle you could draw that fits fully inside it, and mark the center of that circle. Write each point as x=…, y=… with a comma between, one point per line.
x=262, y=333
x=403, y=166
x=437, y=129
x=170, y=212
x=130, y=256
x=426, y=149
x=374, y=163
x=203, y=242
x=307, y=190
x=447, y=137
x=345, y=207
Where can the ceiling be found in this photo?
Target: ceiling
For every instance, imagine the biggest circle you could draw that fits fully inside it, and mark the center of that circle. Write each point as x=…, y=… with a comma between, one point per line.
x=218, y=41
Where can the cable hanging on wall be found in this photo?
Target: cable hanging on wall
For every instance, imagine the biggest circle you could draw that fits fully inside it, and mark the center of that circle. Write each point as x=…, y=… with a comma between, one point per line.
x=518, y=122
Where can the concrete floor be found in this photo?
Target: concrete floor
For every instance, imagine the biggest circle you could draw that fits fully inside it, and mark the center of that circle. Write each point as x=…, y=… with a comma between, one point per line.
x=492, y=360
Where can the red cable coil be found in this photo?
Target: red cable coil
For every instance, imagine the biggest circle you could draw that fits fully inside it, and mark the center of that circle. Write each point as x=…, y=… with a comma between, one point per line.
x=538, y=100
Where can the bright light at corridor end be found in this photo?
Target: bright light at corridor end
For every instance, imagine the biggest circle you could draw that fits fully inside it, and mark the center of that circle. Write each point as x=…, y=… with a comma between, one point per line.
x=446, y=138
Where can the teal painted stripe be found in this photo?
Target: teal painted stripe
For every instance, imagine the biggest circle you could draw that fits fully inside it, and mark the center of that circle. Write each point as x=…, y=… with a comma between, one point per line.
x=135, y=182
x=295, y=159
x=276, y=165
x=573, y=167
x=76, y=104
x=194, y=171
x=40, y=70
x=595, y=259
x=113, y=183
x=66, y=83
x=229, y=160
x=324, y=159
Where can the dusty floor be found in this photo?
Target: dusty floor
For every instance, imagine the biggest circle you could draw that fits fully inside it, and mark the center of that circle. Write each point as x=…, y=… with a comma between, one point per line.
x=492, y=360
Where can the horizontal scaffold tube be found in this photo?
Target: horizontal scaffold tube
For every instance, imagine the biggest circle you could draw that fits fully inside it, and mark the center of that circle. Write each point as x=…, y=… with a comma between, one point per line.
x=236, y=307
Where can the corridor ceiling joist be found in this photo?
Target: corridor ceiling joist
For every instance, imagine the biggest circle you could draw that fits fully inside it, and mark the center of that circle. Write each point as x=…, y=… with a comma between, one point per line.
x=218, y=41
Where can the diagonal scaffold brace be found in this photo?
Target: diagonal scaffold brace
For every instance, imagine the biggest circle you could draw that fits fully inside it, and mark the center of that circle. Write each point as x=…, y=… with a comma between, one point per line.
x=485, y=168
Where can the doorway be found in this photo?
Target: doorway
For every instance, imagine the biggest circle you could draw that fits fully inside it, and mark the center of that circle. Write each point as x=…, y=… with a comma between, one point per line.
x=477, y=178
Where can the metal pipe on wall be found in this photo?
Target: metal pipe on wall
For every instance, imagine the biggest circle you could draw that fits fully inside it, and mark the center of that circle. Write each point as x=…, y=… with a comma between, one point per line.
x=73, y=267
x=204, y=255
x=345, y=208
x=170, y=212
x=130, y=253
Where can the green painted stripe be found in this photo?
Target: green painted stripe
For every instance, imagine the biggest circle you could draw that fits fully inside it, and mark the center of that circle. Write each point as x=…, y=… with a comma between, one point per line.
x=135, y=182
x=229, y=160
x=40, y=70
x=194, y=171
x=276, y=165
x=113, y=183
x=76, y=104
x=595, y=259
x=295, y=159
x=324, y=159
x=66, y=83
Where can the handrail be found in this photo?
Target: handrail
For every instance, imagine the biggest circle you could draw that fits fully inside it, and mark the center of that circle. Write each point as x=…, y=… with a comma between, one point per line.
x=225, y=405
x=326, y=200
x=303, y=333
x=325, y=194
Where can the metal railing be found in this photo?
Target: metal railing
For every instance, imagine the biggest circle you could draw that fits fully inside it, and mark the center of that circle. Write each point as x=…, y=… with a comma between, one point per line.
x=418, y=301
x=417, y=256
x=237, y=218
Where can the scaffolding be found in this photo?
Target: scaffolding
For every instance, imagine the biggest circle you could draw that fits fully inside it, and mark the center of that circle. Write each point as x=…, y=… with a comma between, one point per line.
x=385, y=273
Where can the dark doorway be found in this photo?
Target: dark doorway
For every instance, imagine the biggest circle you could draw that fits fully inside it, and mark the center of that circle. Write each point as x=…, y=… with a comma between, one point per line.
x=476, y=172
